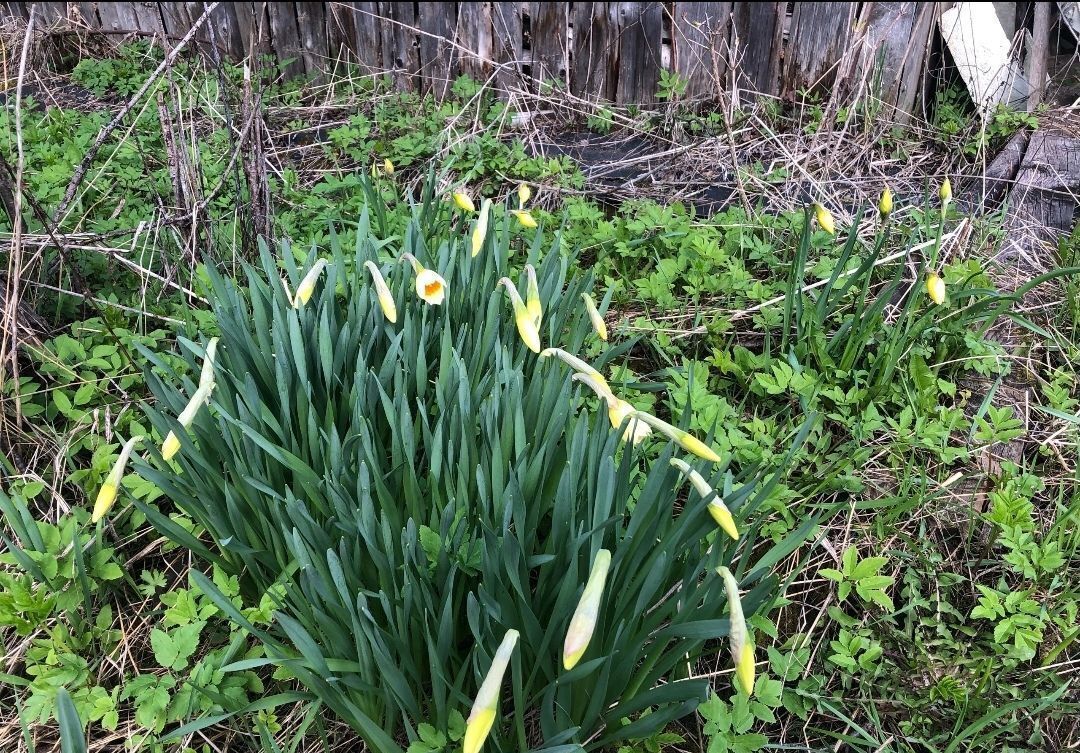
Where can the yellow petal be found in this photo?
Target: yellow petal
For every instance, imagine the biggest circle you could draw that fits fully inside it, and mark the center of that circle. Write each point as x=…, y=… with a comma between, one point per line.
x=307, y=285
x=532, y=297
x=170, y=446
x=526, y=328
x=386, y=299
x=105, y=499
x=463, y=202
x=479, y=232
x=935, y=288
x=477, y=730
x=594, y=316
x=717, y=509
x=583, y=623
x=388, y=166
x=685, y=439
x=523, y=216
x=744, y=668
x=945, y=193
x=885, y=205
x=825, y=219
x=524, y=194
x=722, y=515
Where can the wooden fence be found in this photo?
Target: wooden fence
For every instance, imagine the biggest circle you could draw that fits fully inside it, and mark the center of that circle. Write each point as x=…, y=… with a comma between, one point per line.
x=613, y=51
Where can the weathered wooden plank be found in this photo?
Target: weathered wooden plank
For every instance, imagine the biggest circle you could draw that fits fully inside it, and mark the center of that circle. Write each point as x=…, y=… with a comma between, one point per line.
x=596, y=50
x=15, y=10
x=756, y=42
x=340, y=32
x=148, y=17
x=117, y=17
x=366, y=37
x=311, y=22
x=88, y=13
x=819, y=36
x=886, y=29
x=253, y=27
x=474, y=35
x=400, y=44
x=437, y=21
x=641, y=36
x=49, y=13
x=549, y=54
x=700, y=34
x=285, y=37
x=174, y=17
x=914, y=63
x=508, y=37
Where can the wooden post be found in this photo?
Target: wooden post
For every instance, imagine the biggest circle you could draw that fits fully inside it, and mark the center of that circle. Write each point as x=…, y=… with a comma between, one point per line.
x=1039, y=50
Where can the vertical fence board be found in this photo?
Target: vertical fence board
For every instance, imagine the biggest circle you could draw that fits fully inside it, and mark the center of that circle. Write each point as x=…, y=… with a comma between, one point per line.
x=887, y=30
x=436, y=21
x=174, y=18
x=916, y=55
x=285, y=37
x=148, y=17
x=700, y=37
x=756, y=40
x=641, y=35
x=474, y=34
x=548, y=42
x=88, y=12
x=401, y=52
x=596, y=50
x=360, y=26
x=818, y=38
x=253, y=27
x=508, y=40
x=16, y=10
x=311, y=23
x=116, y=16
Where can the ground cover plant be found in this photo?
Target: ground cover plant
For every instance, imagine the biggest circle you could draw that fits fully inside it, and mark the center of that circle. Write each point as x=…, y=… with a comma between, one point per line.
x=934, y=609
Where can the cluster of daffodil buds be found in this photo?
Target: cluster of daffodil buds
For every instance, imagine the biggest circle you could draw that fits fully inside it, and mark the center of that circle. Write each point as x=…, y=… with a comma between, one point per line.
x=486, y=704
x=171, y=445
x=742, y=648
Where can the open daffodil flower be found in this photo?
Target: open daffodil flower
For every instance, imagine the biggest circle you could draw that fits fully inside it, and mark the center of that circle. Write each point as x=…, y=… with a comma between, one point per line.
x=430, y=286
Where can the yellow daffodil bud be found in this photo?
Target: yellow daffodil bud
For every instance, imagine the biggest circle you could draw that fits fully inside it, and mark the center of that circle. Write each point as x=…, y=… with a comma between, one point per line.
x=479, y=232
x=430, y=286
x=935, y=288
x=684, y=439
x=824, y=219
x=583, y=623
x=307, y=285
x=945, y=192
x=486, y=704
x=526, y=326
x=885, y=204
x=618, y=409
x=532, y=296
x=171, y=445
x=111, y=487
x=524, y=194
x=594, y=316
x=742, y=648
x=717, y=509
x=388, y=166
x=207, y=375
x=523, y=216
x=463, y=202
x=386, y=299
x=575, y=363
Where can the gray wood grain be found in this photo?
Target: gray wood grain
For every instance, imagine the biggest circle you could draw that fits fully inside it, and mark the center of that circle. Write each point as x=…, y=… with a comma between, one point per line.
x=756, y=40
x=400, y=43
x=596, y=50
x=819, y=35
x=285, y=37
x=437, y=21
x=508, y=42
x=641, y=32
x=549, y=54
x=700, y=36
x=474, y=35
x=311, y=23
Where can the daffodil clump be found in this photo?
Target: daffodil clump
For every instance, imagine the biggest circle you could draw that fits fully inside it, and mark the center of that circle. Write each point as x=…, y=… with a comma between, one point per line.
x=418, y=451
